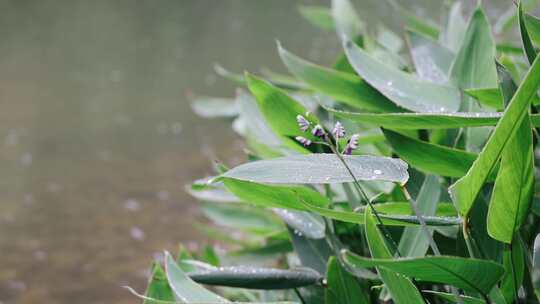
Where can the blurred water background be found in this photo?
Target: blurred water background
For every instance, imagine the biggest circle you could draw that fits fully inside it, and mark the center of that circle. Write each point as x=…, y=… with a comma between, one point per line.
x=98, y=138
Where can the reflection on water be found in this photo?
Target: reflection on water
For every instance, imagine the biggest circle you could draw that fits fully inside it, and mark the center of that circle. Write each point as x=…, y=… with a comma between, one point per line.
x=97, y=138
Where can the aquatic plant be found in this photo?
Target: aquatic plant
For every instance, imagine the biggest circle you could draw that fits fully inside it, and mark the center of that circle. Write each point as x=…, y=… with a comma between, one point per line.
x=404, y=173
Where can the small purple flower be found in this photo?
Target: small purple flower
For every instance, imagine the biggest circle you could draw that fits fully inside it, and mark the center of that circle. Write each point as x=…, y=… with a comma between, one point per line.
x=302, y=123
x=339, y=131
x=318, y=131
x=304, y=141
x=352, y=144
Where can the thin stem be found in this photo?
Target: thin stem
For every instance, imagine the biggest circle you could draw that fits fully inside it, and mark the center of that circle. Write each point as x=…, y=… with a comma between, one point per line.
x=363, y=195
x=423, y=225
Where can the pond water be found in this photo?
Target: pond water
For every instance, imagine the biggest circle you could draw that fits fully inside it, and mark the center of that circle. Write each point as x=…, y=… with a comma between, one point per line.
x=97, y=138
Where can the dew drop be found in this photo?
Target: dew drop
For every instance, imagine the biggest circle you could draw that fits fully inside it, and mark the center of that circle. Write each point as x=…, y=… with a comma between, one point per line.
x=377, y=171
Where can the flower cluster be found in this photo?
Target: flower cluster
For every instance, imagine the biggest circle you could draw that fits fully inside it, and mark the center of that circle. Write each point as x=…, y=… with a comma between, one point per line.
x=318, y=131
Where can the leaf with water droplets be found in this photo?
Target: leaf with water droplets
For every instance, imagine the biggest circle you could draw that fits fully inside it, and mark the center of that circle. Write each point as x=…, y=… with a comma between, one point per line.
x=257, y=278
x=431, y=60
x=310, y=225
x=321, y=169
x=184, y=288
x=346, y=88
x=417, y=121
x=402, y=88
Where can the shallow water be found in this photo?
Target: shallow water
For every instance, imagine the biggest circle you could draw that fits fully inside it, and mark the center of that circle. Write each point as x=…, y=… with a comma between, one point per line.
x=98, y=139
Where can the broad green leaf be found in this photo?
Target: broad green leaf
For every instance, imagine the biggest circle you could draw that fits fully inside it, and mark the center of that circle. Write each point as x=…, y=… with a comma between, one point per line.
x=240, y=79
x=342, y=287
x=344, y=87
x=474, y=65
x=465, y=190
x=313, y=253
x=279, y=111
x=524, y=26
x=158, y=287
x=469, y=274
x=210, y=107
x=390, y=219
x=321, y=169
x=272, y=196
x=456, y=27
x=431, y=60
x=416, y=121
x=346, y=19
x=452, y=298
x=201, y=190
x=319, y=16
x=444, y=209
x=309, y=224
x=513, y=190
x=535, y=272
x=400, y=87
x=430, y=158
x=402, y=290
x=257, y=278
x=240, y=216
x=514, y=268
x=492, y=97
x=414, y=242
x=533, y=27
x=184, y=288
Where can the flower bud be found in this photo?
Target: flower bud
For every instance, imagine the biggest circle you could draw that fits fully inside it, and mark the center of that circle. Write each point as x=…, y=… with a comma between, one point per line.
x=304, y=141
x=302, y=123
x=352, y=144
x=339, y=131
x=318, y=131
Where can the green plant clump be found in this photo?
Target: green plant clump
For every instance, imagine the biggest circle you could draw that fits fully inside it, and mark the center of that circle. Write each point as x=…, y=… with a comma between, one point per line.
x=404, y=173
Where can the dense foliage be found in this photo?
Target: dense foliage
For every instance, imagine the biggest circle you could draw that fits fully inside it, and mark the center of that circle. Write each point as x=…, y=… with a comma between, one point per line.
x=404, y=173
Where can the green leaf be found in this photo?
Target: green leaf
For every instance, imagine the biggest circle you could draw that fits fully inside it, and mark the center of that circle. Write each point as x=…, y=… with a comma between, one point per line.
x=456, y=27
x=465, y=190
x=313, y=253
x=184, y=288
x=319, y=16
x=402, y=88
x=414, y=23
x=210, y=107
x=452, y=298
x=514, y=268
x=513, y=190
x=402, y=290
x=321, y=169
x=430, y=158
x=275, y=196
x=492, y=97
x=524, y=32
x=240, y=79
x=158, y=288
x=240, y=216
x=474, y=65
x=469, y=274
x=417, y=121
x=309, y=224
x=257, y=278
x=533, y=26
x=279, y=111
x=431, y=60
x=344, y=87
x=414, y=242
x=342, y=287
x=390, y=219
